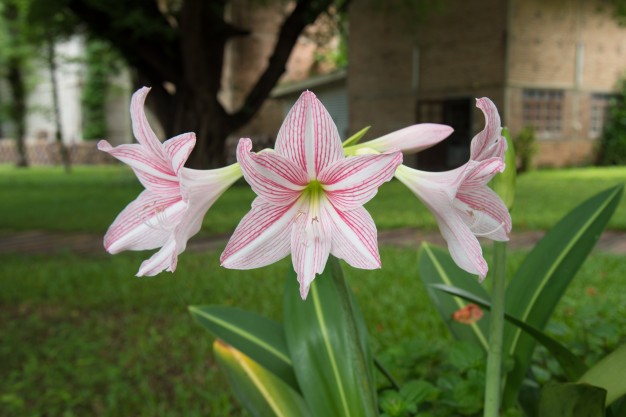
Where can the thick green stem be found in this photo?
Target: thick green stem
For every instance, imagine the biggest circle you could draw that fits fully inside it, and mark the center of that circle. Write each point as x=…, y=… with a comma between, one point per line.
x=496, y=328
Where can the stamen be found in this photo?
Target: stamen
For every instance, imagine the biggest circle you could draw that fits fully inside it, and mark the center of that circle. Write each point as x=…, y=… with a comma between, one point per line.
x=477, y=219
x=500, y=226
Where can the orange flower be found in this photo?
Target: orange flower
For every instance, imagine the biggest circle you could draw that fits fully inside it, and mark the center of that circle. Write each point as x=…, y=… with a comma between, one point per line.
x=469, y=314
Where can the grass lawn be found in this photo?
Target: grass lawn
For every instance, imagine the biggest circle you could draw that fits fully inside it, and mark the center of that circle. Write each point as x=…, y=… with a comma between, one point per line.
x=89, y=199
x=81, y=336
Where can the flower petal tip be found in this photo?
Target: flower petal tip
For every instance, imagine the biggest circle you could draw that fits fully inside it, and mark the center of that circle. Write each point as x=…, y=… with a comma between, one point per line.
x=304, y=291
x=104, y=146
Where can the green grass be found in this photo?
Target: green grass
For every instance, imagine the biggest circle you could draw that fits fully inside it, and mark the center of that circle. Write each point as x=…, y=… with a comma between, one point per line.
x=81, y=336
x=89, y=199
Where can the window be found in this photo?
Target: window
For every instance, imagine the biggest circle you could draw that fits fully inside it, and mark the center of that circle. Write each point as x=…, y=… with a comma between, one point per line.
x=543, y=109
x=598, y=113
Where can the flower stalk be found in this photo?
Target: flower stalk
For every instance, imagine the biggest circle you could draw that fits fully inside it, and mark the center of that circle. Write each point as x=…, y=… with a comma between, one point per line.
x=496, y=330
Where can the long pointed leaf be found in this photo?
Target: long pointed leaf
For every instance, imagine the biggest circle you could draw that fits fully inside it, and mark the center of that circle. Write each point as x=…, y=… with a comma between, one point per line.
x=260, y=391
x=260, y=338
x=546, y=272
x=610, y=374
x=437, y=267
x=354, y=139
x=572, y=400
x=330, y=353
x=571, y=364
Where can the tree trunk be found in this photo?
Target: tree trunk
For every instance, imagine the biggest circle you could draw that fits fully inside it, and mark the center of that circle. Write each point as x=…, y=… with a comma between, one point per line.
x=188, y=111
x=65, y=155
x=15, y=79
x=18, y=109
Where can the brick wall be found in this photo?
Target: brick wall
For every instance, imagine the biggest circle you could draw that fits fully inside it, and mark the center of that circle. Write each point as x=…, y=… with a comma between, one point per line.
x=42, y=152
x=570, y=45
x=396, y=60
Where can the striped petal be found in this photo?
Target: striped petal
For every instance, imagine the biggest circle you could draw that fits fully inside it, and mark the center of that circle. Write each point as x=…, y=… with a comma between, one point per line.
x=271, y=176
x=354, y=238
x=199, y=190
x=488, y=143
x=487, y=214
x=352, y=182
x=463, y=245
x=309, y=137
x=165, y=259
x=411, y=139
x=310, y=246
x=262, y=237
x=178, y=149
x=140, y=159
x=141, y=128
x=145, y=223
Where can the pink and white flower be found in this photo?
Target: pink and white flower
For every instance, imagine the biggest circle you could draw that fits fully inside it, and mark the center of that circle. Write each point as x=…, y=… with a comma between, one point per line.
x=171, y=208
x=309, y=198
x=464, y=206
x=460, y=200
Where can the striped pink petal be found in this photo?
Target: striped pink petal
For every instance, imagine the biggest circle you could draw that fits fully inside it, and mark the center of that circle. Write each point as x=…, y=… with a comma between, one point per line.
x=262, y=237
x=165, y=259
x=410, y=139
x=463, y=245
x=145, y=223
x=487, y=214
x=271, y=176
x=178, y=149
x=139, y=158
x=351, y=182
x=309, y=137
x=310, y=247
x=489, y=142
x=354, y=238
x=141, y=128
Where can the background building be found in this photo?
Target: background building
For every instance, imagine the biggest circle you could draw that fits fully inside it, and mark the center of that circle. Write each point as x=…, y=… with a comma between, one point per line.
x=552, y=64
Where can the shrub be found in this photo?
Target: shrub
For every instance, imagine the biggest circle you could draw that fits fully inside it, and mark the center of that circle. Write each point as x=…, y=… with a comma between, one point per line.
x=525, y=144
x=612, y=144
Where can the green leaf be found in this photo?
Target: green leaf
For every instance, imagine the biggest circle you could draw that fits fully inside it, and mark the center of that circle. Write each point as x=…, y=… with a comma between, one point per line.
x=354, y=139
x=571, y=364
x=610, y=374
x=504, y=182
x=572, y=400
x=260, y=391
x=437, y=267
x=328, y=344
x=544, y=275
x=261, y=339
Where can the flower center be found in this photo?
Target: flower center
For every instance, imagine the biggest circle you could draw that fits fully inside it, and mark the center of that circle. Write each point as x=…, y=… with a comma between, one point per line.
x=314, y=192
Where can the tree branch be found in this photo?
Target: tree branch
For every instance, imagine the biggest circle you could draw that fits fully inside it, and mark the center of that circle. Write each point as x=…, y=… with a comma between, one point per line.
x=305, y=12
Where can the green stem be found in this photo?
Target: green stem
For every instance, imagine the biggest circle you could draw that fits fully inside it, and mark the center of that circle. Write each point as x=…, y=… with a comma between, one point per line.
x=496, y=328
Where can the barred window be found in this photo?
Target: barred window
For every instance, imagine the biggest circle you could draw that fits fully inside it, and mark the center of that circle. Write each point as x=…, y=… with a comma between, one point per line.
x=599, y=113
x=543, y=109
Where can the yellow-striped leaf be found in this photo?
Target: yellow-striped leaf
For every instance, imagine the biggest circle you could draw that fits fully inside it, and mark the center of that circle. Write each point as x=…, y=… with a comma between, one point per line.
x=259, y=391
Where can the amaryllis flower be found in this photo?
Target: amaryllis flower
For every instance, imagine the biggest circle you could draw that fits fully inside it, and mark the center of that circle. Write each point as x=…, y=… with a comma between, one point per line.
x=310, y=198
x=460, y=200
x=464, y=206
x=171, y=208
